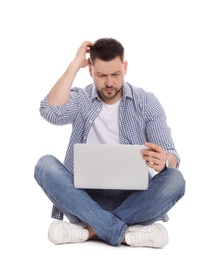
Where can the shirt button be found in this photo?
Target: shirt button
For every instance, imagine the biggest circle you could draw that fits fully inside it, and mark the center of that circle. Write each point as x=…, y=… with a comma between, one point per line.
x=90, y=121
x=84, y=137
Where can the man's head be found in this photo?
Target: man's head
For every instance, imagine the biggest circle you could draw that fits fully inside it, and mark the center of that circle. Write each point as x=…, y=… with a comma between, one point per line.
x=106, y=49
x=108, y=68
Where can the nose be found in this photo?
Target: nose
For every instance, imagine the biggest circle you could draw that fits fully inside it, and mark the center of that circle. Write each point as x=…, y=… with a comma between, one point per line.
x=108, y=82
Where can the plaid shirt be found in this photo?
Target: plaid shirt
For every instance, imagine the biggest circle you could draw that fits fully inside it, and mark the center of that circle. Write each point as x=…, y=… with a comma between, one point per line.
x=142, y=119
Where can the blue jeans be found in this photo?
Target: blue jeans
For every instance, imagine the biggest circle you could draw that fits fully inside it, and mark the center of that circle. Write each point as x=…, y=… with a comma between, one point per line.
x=109, y=212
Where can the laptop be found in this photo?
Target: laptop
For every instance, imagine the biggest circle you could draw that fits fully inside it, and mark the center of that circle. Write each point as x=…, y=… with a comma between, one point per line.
x=109, y=166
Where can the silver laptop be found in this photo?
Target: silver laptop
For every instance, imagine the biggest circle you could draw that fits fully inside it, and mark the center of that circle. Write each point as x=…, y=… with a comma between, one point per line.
x=106, y=166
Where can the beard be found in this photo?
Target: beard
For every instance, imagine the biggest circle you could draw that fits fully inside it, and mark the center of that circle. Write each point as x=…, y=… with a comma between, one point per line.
x=109, y=92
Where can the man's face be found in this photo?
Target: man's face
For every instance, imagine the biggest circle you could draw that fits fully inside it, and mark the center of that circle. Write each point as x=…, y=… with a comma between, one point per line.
x=108, y=77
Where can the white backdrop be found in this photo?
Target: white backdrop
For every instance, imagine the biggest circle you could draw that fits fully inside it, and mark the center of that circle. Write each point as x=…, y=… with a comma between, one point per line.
x=168, y=49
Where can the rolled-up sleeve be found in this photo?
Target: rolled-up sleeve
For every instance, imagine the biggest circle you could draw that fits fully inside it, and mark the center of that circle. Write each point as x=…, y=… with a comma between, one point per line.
x=60, y=115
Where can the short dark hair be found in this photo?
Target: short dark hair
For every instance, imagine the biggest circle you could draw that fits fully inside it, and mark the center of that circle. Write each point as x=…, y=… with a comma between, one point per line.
x=106, y=49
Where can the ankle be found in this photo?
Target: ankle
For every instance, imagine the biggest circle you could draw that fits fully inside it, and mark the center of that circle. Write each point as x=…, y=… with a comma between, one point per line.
x=91, y=232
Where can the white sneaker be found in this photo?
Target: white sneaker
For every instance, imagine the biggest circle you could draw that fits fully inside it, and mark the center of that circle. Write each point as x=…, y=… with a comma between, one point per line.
x=61, y=232
x=150, y=236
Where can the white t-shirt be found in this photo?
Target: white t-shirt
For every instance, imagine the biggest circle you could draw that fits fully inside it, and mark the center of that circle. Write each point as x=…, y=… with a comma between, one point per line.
x=105, y=128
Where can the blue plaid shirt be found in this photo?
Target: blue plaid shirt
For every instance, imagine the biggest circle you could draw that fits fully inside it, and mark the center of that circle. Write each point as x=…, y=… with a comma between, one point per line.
x=141, y=119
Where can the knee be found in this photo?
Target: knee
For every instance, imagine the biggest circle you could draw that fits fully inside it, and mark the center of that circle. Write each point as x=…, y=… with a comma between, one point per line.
x=42, y=167
x=177, y=180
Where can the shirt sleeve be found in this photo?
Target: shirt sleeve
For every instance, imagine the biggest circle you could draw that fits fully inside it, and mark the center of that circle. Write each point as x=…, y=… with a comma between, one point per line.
x=60, y=115
x=157, y=129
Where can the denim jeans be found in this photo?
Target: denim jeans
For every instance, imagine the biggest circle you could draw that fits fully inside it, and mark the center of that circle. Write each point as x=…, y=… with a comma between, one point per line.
x=109, y=212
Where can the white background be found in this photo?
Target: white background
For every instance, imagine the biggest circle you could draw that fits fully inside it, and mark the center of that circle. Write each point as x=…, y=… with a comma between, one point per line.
x=168, y=49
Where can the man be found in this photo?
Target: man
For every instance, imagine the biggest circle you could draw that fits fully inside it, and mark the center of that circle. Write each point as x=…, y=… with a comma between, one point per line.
x=109, y=111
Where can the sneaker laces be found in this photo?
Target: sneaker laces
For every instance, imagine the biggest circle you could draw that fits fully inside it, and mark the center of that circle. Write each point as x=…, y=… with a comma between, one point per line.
x=73, y=232
x=153, y=235
x=142, y=236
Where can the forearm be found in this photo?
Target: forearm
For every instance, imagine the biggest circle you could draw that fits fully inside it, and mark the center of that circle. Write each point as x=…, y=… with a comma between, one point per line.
x=60, y=92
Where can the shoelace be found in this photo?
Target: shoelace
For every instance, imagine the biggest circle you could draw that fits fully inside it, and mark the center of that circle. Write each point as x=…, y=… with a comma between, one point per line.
x=142, y=237
x=71, y=233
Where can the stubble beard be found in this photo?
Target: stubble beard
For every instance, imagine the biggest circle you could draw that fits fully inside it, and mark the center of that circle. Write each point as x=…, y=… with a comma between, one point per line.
x=109, y=95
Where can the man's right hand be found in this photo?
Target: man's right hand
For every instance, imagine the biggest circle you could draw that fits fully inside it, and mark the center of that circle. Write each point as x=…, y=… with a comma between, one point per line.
x=59, y=94
x=81, y=55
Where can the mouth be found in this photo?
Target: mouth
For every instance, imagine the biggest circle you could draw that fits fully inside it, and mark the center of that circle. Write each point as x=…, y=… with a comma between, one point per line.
x=109, y=89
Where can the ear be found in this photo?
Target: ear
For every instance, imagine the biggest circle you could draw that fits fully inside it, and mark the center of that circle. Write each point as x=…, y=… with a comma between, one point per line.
x=125, y=64
x=90, y=68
